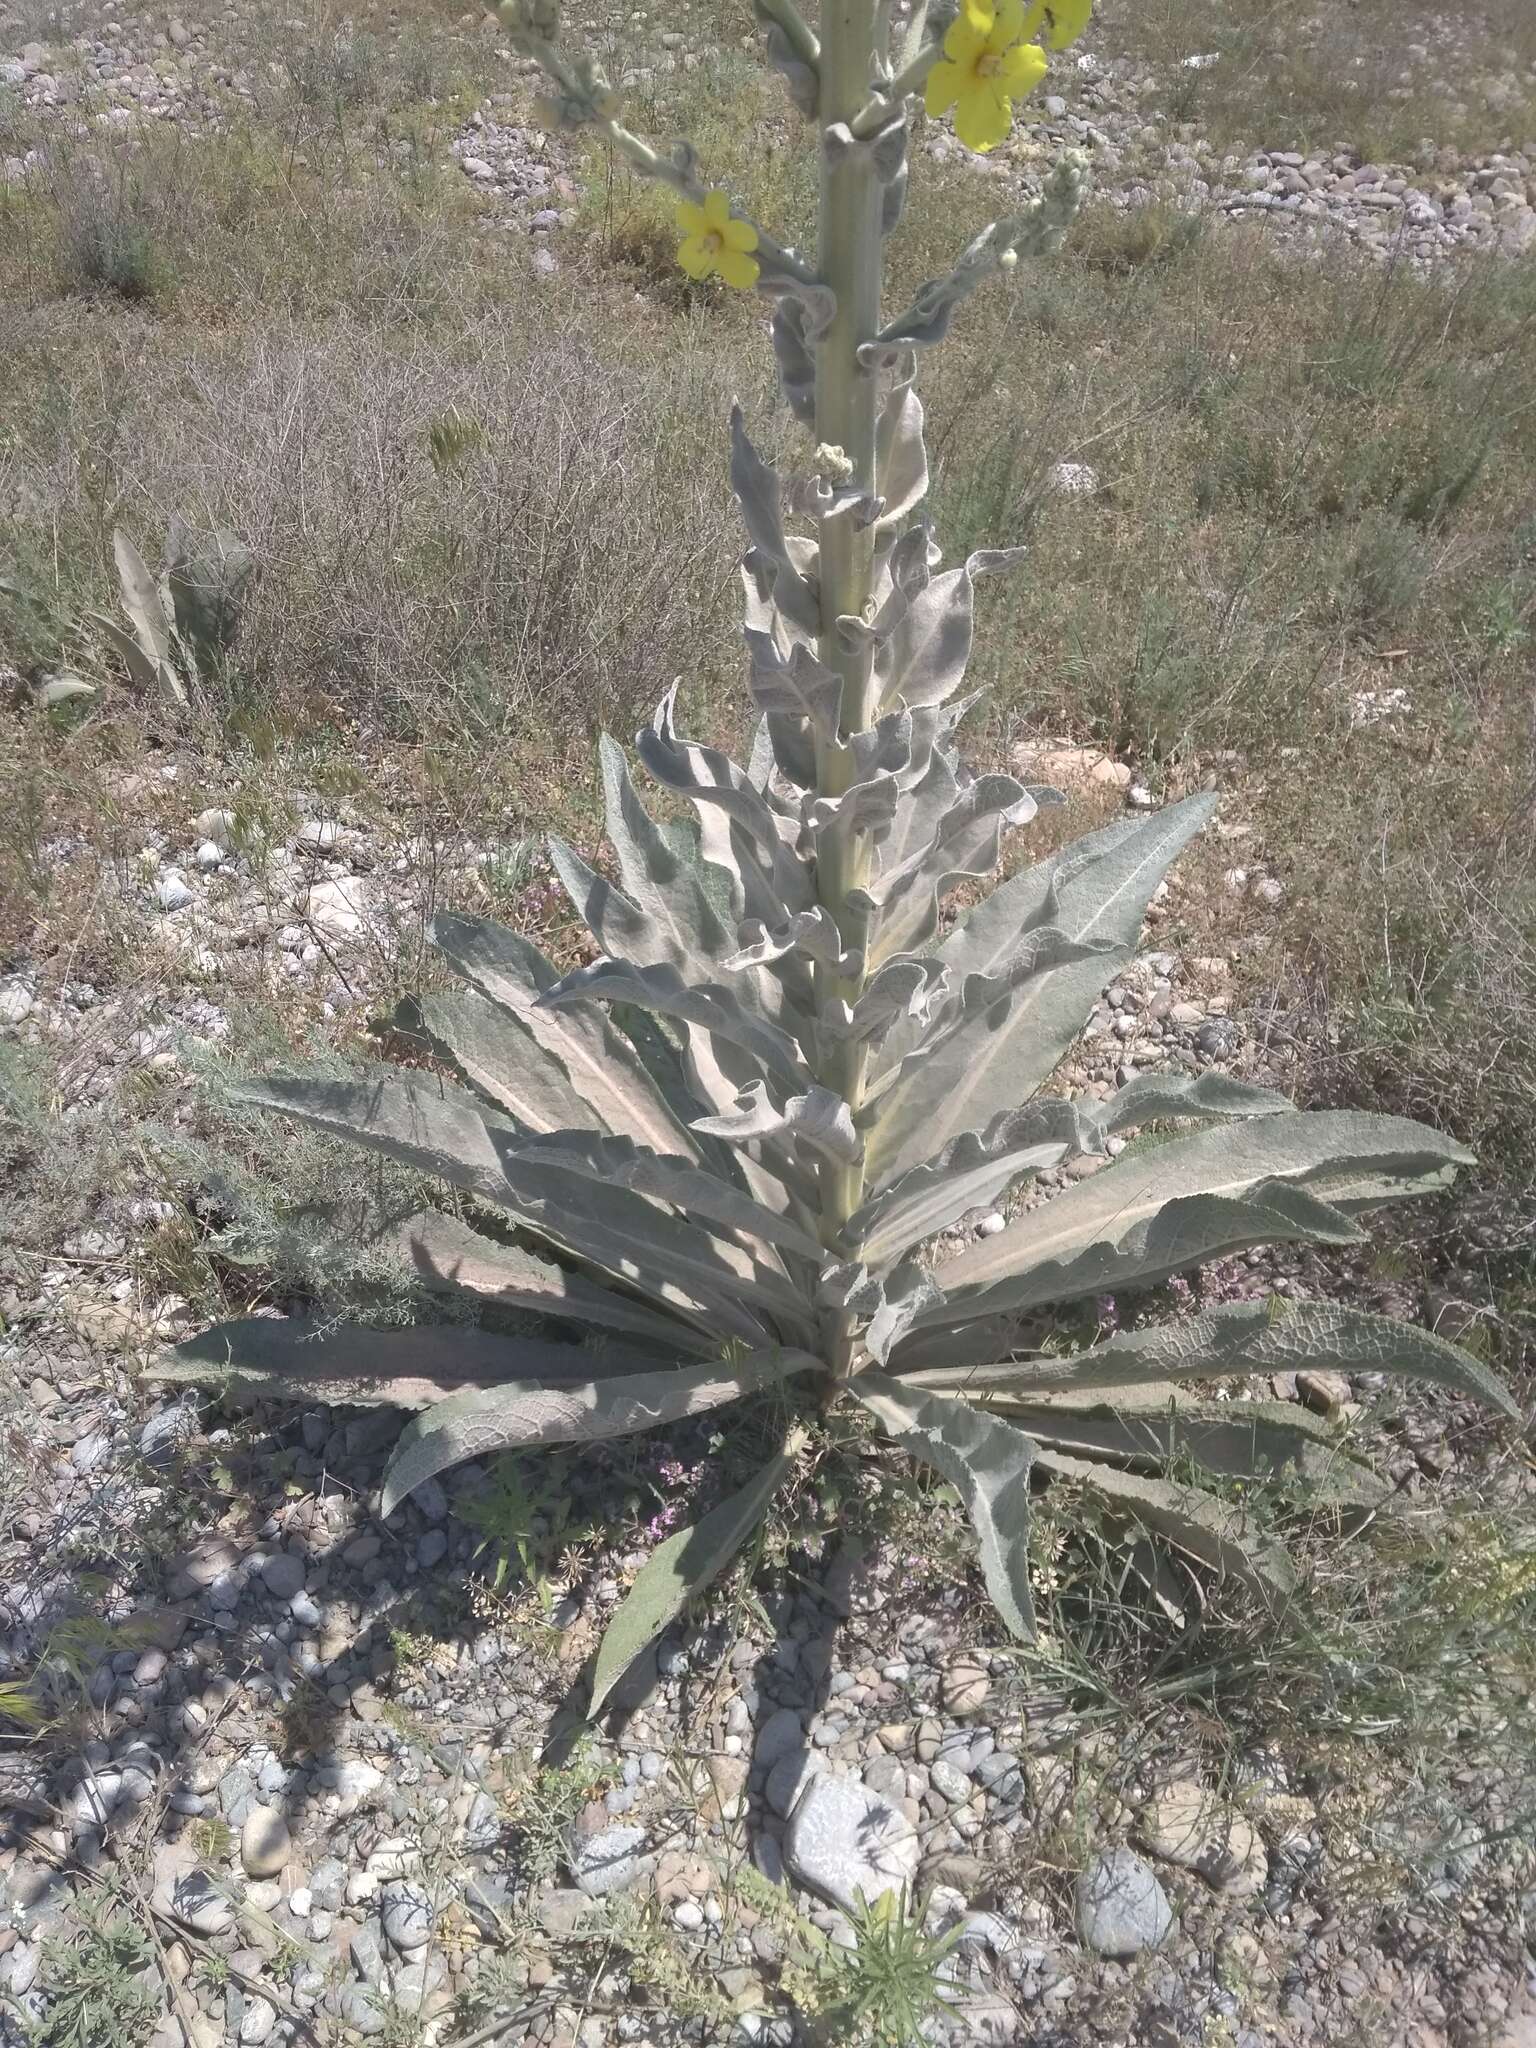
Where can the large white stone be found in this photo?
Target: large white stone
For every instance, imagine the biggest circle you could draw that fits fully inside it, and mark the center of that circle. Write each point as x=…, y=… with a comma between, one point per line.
x=844, y=1840
x=264, y=1842
x=608, y=1862
x=337, y=910
x=1121, y=1907
x=356, y=1782
x=1187, y=1826
x=171, y=891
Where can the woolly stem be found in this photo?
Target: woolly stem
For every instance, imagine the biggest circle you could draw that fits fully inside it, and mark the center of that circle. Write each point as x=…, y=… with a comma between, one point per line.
x=851, y=261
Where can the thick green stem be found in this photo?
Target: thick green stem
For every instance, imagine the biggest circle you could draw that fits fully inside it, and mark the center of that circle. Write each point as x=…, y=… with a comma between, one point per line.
x=851, y=262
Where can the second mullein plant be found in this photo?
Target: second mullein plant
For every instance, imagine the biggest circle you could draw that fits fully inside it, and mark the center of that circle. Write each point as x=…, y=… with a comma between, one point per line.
x=731, y=1156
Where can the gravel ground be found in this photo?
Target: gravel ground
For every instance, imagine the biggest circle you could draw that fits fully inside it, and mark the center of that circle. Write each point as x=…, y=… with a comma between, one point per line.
x=121, y=69
x=346, y=1775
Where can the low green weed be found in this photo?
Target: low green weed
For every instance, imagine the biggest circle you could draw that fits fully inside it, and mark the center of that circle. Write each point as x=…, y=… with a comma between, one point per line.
x=525, y=1516
x=101, y=1981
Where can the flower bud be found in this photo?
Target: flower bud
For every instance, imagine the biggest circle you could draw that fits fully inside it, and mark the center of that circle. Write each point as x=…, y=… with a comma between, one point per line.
x=833, y=463
x=527, y=17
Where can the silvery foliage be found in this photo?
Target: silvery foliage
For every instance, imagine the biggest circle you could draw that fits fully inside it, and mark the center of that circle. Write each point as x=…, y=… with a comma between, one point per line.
x=659, y=1130
x=181, y=622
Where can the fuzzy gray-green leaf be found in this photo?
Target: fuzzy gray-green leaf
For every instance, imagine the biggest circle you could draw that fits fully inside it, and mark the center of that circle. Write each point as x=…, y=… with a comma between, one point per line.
x=964, y=846
x=1338, y=1157
x=500, y=1058
x=971, y=1172
x=1095, y=893
x=1223, y=1538
x=987, y=1461
x=1211, y=1097
x=439, y=1130
x=711, y=1006
x=605, y=1071
x=142, y=670
x=902, y=1104
x=924, y=659
x=901, y=457
x=422, y=1123
x=692, y=1189
x=477, y=1423
x=445, y=1256
x=730, y=809
x=656, y=879
x=793, y=685
x=1252, y=1440
x=206, y=575
x=141, y=599
x=315, y=1358
x=1247, y=1337
x=680, y=1568
x=819, y=1119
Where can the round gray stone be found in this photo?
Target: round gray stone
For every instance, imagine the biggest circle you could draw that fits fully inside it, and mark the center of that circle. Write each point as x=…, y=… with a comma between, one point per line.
x=197, y=1903
x=1121, y=1907
x=407, y=1915
x=609, y=1861
x=264, y=1842
x=782, y=1732
x=283, y=1575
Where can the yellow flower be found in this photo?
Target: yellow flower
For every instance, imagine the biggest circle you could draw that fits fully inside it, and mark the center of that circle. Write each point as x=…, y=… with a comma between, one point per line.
x=1064, y=20
x=985, y=68
x=714, y=245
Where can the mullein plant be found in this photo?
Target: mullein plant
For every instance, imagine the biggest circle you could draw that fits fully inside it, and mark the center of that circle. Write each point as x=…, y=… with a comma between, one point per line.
x=733, y=1154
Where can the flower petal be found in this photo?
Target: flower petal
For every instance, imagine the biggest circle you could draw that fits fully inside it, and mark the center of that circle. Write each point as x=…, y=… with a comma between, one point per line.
x=964, y=40
x=1067, y=19
x=983, y=118
x=945, y=84
x=696, y=257
x=739, y=234
x=717, y=210
x=690, y=218
x=1021, y=69
x=1008, y=25
x=737, y=268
